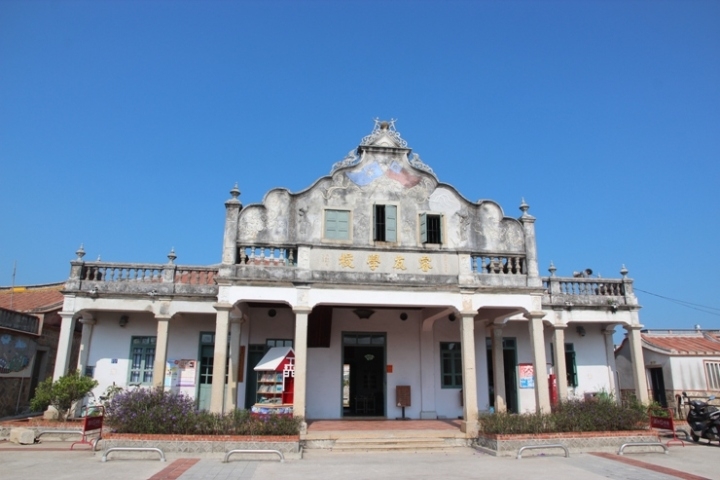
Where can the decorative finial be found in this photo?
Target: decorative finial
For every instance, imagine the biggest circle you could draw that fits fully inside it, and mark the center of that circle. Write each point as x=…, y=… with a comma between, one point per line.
x=552, y=269
x=524, y=207
x=624, y=271
x=99, y=259
x=171, y=256
x=80, y=252
x=235, y=192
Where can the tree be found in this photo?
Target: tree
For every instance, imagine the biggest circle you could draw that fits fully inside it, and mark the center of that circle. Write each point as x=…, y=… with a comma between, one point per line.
x=62, y=394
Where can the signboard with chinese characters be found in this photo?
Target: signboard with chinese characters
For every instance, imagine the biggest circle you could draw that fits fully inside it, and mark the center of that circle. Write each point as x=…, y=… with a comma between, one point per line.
x=527, y=379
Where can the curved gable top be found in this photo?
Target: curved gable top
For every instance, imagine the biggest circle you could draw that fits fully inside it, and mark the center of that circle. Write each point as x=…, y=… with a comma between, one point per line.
x=380, y=171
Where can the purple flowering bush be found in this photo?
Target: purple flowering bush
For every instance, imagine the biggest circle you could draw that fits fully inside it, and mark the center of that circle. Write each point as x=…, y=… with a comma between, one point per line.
x=160, y=412
x=151, y=410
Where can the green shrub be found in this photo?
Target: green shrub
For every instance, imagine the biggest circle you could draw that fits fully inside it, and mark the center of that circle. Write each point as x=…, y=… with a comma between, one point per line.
x=601, y=414
x=62, y=394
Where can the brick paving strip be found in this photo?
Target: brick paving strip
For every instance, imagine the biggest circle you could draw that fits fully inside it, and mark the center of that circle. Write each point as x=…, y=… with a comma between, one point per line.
x=649, y=466
x=175, y=469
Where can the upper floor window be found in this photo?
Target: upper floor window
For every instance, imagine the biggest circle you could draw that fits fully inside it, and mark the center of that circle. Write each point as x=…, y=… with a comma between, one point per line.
x=337, y=225
x=430, y=228
x=385, y=225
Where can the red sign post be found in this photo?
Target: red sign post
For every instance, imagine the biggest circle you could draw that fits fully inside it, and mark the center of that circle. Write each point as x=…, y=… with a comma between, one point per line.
x=666, y=423
x=91, y=424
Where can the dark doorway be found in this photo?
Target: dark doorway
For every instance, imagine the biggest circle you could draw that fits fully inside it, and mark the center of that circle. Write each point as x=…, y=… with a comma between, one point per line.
x=255, y=354
x=658, y=386
x=364, y=374
x=510, y=367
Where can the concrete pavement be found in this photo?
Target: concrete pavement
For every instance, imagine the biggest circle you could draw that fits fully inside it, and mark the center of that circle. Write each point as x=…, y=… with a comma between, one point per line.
x=54, y=461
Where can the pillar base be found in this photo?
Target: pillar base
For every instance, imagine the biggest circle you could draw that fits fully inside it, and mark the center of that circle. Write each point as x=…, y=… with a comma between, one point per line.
x=470, y=429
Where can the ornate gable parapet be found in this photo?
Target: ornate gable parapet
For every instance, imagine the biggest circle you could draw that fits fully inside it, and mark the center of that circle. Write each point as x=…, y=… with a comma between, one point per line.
x=384, y=135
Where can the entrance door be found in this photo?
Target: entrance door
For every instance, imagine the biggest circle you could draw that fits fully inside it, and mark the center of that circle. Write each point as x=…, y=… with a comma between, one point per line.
x=363, y=374
x=255, y=354
x=658, y=386
x=206, y=367
x=510, y=367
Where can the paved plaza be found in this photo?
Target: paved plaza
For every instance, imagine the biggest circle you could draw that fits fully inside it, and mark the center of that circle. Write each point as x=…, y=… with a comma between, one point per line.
x=54, y=460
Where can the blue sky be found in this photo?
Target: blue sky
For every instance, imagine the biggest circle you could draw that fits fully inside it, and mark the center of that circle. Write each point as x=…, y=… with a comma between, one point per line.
x=123, y=125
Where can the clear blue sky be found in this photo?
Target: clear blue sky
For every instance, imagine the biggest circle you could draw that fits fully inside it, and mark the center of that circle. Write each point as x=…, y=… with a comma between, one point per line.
x=124, y=124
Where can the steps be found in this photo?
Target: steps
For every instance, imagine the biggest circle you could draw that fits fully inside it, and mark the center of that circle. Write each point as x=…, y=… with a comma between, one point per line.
x=383, y=440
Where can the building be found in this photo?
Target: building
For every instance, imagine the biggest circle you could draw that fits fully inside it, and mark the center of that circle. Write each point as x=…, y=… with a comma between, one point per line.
x=379, y=276
x=29, y=332
x=675, y=361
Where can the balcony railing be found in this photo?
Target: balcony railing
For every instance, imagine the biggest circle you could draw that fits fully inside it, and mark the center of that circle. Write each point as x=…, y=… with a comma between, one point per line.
x=498, y=264
x=97, y=278
x=570, y=291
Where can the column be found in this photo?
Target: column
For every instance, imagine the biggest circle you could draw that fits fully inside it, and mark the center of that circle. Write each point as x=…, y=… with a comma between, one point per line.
x=638, y=363
x=161, y=347
x=217, y=397
x=232, y=212
x=236, y=321
x=301, y=326
x=531, y=265
x=537, y=343
x=498, y=369
x=87, y=321
x=560, y=365
x=62, y=359
x=610, y=355
x=469, y=379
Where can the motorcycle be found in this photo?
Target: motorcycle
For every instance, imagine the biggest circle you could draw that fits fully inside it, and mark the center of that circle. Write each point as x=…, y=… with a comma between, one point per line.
x=703, y=419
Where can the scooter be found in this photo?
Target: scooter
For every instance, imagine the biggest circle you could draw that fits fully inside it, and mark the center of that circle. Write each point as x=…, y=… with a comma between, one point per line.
x=703, y=419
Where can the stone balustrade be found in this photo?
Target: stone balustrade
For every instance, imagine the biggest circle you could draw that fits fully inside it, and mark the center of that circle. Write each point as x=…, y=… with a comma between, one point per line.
x=19, y=321
x=98, y=278
x=498, y=264
x=577, y=291
x=267, y=256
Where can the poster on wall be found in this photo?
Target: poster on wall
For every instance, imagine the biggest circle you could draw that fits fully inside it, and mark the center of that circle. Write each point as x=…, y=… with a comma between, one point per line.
x=186, y=372
x=527, y=379
x=171, y=373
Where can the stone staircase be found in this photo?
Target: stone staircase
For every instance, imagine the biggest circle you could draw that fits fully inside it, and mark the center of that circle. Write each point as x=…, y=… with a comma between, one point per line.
x=395, y=439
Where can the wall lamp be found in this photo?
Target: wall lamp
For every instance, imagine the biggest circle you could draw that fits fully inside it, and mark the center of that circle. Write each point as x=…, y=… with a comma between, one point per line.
x=452, y=317
x=403, y=316
x=124, y=321
x=272, y=312
x=364, y=313
x=580, y=330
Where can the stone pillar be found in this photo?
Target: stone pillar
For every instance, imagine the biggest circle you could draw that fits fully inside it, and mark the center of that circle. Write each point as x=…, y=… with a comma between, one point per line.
x=62, y=359
x=300, y=394
x=236, y=321
x=610, y=356
x=469, y=377
x=560, y=365
x=537, y=343
x=87, y=321
x=531, y=263
x=217, y=398
x=161, y=347
x=232, y=213
x=638, y=363
x=498, y=369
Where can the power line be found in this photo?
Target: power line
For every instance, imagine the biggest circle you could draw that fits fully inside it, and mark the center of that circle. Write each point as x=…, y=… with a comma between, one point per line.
x=693, y=306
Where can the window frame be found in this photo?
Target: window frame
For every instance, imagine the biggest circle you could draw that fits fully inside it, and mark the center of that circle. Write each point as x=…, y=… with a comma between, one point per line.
x=571, y=365
x=712, y=374
x=431, y=234
x=142, y=369
x=385, y=223
x=454, y=356
x=335, y=233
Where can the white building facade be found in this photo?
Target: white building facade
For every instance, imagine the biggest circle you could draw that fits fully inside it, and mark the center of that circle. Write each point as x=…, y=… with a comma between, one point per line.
x=379, y=276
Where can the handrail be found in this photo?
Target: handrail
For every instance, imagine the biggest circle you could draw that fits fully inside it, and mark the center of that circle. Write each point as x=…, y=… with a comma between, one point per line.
x=133, y=449
x=642, y=444
x=553, y=445
x=276, y=452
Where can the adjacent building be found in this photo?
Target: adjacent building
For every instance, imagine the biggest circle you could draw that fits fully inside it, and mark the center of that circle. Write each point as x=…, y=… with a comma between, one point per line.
x=386, y=283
